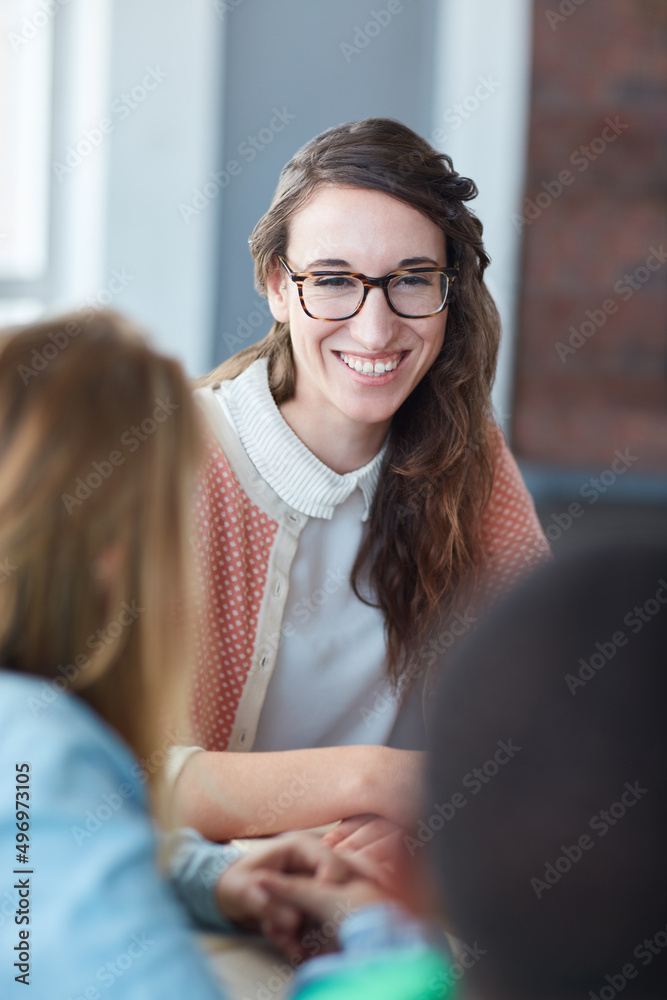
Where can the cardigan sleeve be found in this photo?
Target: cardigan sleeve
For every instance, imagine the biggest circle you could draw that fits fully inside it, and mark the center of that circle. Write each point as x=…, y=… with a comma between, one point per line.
x=512, y=537
x=194, y=865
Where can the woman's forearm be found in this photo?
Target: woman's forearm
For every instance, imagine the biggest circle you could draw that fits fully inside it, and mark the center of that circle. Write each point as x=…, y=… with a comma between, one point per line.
x=225, y=795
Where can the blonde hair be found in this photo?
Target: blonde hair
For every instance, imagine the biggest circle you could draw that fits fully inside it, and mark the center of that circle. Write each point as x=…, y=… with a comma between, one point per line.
x=100, y=441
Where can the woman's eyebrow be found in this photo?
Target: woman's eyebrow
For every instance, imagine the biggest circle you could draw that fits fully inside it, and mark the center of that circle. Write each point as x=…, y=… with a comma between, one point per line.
x=406, y=262
x=418, y=262
x=327, y=262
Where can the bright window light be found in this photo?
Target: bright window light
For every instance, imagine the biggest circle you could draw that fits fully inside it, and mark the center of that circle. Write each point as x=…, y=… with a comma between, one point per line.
x=26, y=39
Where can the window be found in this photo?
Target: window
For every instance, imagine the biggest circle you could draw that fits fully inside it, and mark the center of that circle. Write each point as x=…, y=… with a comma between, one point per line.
x=26, y=33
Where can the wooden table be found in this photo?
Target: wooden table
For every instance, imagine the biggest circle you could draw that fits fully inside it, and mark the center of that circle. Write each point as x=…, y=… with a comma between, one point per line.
x=248, y=967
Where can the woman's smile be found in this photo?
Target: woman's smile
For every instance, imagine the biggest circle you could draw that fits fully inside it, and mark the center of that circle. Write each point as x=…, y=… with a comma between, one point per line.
x=374, y=365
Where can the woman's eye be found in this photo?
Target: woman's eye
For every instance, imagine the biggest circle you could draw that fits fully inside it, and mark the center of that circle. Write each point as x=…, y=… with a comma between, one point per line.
x=414, y=280
x=333, y=281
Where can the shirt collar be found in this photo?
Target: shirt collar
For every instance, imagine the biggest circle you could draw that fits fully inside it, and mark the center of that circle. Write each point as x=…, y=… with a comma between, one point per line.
x=282, y=459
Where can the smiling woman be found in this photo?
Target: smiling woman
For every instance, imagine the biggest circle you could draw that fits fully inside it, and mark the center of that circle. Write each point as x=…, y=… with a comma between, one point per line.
x=356, y=442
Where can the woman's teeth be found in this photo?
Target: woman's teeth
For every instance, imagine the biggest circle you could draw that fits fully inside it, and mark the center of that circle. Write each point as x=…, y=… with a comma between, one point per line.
x=368, y=367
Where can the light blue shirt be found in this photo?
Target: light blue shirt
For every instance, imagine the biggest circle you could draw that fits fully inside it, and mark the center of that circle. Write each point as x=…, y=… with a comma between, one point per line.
x=100, y=915
x=93, y=908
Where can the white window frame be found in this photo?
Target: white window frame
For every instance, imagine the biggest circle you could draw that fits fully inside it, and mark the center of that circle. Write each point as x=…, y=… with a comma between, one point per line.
x=484, y=66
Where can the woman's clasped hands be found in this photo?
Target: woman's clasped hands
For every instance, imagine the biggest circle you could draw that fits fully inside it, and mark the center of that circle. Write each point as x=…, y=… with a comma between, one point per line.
x=296, y=889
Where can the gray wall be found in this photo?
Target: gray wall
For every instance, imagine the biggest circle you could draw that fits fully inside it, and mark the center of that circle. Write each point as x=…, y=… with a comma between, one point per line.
x=298, y=55
x=158, y=153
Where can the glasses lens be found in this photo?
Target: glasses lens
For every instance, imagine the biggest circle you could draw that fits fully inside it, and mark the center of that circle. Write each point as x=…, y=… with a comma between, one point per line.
x=418, y=294
x=332, y=296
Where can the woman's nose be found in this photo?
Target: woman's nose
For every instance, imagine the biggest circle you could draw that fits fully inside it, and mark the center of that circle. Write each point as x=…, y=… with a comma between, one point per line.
x=375, y=325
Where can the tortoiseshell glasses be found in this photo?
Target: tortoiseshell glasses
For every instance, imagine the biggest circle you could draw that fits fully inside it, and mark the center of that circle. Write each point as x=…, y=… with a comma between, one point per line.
x=413, y=293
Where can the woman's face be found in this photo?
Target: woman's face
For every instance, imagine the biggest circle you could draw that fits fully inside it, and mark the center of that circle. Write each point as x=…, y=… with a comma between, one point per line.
x=353, y=229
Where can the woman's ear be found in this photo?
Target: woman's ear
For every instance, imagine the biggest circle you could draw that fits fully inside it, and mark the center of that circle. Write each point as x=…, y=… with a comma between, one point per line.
x=277, y=292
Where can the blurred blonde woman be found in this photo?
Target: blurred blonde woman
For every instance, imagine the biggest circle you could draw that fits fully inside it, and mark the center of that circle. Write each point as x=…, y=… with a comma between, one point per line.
x=99, y=448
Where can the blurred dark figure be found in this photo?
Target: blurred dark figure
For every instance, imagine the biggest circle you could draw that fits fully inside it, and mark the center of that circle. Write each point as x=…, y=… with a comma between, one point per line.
x=550, y=771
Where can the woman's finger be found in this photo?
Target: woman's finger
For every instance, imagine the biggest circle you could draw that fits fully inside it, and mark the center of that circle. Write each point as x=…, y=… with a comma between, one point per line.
x=301, y=853
x=264, y=906
x=373, y=830
x=363, y=865
x=345, y=828
x=314, y=898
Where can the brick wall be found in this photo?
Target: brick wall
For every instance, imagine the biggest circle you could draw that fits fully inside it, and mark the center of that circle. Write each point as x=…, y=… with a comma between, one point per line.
x=592, y=348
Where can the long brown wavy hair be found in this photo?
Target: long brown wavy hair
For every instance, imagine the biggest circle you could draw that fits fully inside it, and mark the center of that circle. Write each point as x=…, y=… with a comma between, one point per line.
x=422, y=554
x=100, y=440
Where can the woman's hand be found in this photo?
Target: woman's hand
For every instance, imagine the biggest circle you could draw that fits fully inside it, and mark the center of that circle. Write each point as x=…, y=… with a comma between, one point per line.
x=243, y=898
x=323, y=907
x=372, y=838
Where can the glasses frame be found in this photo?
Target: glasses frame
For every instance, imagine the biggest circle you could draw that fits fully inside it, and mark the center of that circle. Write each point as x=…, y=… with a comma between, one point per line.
x=451, y=273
